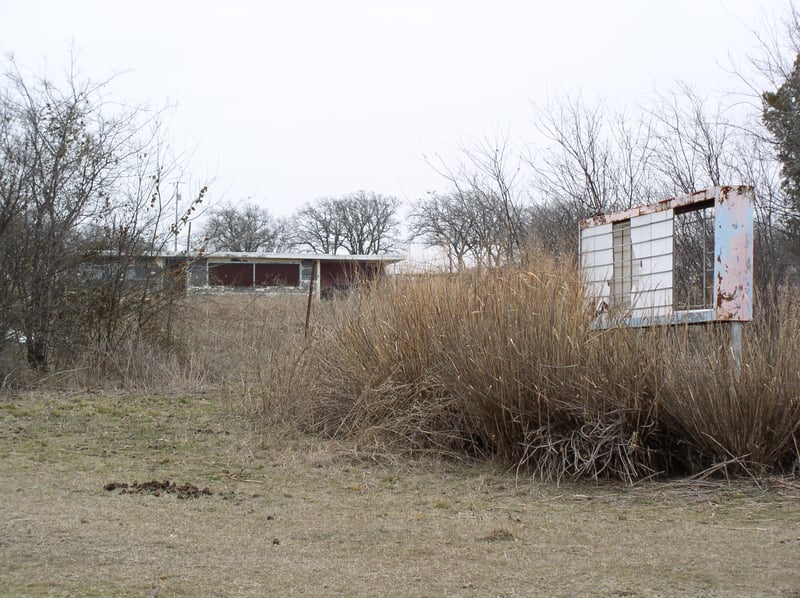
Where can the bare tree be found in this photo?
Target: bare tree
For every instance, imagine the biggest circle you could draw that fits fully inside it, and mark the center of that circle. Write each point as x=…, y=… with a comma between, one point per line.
x=248, y=227
x=467, y=229
x=485, y=196
x=773, y=82
x=445, y=222
x=318, y=227
x=74, y=186
x=600, y=162
x=693, y=143
x=579, y=170
x=554, y=225
x=370, y=222
x=59, y=153
x=360, y=223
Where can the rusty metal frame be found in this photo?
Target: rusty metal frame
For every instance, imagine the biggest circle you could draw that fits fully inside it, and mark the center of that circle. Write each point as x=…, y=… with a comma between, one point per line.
x=733, y=259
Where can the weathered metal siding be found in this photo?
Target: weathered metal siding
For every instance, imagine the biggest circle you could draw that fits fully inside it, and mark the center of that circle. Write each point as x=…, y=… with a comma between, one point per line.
x=733, y=255
x=652, y=261
x=651, y=253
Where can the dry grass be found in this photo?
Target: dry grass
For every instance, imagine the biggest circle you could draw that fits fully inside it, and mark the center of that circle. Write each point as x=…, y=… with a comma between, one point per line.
x=294, y=515
x=751, y=419
x=252, y=347
x=497, y=365
x=504, y=364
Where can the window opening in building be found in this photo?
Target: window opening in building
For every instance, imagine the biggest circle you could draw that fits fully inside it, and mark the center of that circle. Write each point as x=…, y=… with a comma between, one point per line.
x=693, y=255
x=246, y=274
x=622, y=281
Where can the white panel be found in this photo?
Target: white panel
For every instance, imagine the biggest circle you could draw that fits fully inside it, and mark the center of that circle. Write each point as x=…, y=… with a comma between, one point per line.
x=604, y=272
x=642, y=249
x=659, y=264
x=597, y=274
x=661, y=216
x=598, y=258
x=661, y=229
x=646, y=264
x=605, y=241
x=596, y=242
x=659, y=298
x=662, y=246
x=588, y=244
x=661, y=281
x=663, y=298
x=640, y=235
x=597, y=289
x=643, y=300
x=653, y=268
x=603, y=229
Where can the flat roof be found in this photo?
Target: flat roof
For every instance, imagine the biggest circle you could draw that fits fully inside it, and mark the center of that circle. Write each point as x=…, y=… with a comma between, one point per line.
x=388, y=258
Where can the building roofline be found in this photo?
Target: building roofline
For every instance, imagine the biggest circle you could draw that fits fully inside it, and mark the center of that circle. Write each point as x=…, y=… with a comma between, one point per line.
x=719, y=193
x=388, y=258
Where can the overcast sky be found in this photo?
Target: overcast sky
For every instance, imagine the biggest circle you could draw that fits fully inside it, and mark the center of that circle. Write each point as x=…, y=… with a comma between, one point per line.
x=284, y=102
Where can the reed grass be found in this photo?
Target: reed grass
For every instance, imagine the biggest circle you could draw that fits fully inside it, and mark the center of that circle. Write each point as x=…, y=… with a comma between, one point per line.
x=504, y=364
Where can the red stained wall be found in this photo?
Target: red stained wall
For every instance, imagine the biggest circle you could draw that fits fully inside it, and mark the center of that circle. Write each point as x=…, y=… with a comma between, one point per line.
x=342, y=275
x=245, y=274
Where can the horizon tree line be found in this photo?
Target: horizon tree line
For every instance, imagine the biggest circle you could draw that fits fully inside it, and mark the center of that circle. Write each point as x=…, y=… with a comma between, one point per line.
x=78, y=179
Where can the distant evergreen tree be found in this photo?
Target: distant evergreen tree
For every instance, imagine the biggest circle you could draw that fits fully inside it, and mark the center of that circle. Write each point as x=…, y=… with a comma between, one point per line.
x=782, y=118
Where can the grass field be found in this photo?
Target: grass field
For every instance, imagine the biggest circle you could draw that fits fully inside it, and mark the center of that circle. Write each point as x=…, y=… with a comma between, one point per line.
x=293, y=515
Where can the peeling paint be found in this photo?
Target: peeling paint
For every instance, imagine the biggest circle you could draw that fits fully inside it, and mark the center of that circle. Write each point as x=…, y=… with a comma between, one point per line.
x=651, y=240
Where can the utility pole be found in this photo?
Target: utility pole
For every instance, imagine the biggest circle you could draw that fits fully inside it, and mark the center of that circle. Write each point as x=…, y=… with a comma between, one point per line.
x=177, y=201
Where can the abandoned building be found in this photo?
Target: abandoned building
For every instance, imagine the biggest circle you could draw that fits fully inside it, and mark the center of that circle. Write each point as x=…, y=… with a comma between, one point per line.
x=251, y=272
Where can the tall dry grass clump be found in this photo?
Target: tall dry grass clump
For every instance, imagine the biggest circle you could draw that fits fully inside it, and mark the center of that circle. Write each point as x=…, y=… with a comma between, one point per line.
x=498, y=363
x=504, y=363
x=741, y=418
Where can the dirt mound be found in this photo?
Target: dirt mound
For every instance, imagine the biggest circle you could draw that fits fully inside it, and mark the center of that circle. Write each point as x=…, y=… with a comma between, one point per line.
x=157, y=488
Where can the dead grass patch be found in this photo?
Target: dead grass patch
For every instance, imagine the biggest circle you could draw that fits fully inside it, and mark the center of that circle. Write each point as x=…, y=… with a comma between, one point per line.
x=295, y=515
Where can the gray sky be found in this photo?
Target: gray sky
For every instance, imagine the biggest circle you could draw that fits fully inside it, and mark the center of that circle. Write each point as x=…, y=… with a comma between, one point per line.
x=284, y=102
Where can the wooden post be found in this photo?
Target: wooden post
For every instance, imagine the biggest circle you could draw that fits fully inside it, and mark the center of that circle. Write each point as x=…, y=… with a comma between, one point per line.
x=310, y=295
